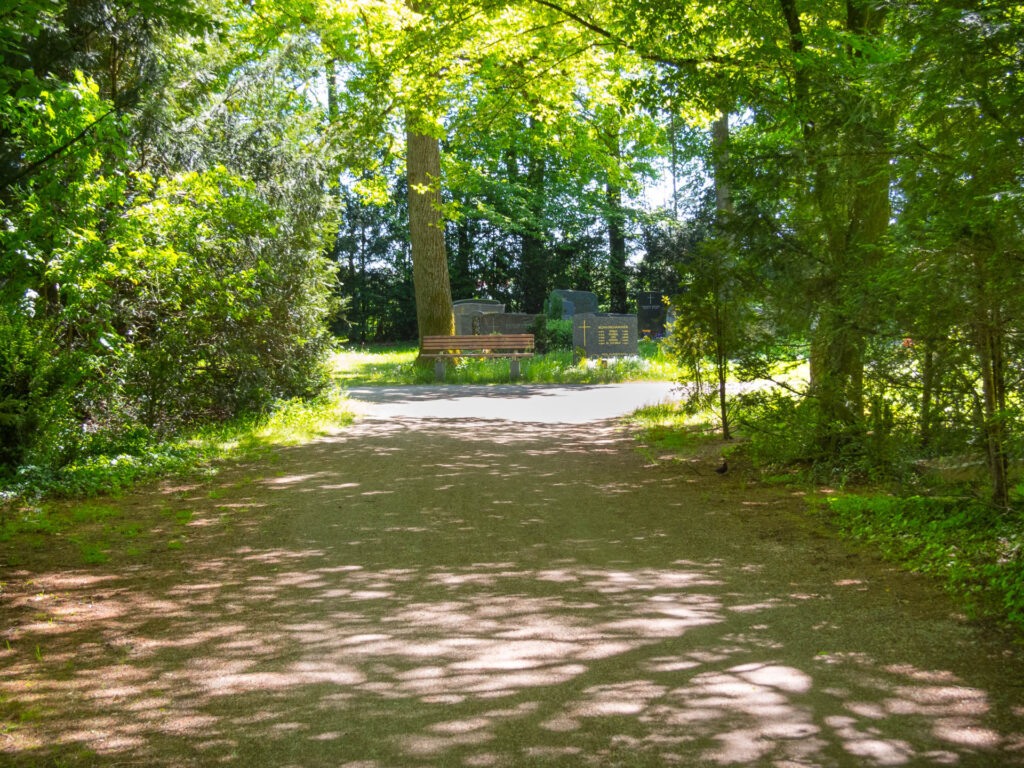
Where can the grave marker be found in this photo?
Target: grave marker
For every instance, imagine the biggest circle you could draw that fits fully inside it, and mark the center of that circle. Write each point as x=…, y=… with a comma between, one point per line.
x=465, y=310
x=575, y=302
x=605, y=335
x=506, y=322
x=651, y=310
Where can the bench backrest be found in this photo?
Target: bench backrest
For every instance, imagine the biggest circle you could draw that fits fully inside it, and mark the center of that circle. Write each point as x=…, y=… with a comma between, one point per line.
x=499, y=342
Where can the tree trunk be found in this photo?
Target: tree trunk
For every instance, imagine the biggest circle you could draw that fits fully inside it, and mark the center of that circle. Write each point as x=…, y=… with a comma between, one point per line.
x=533, y=273
x=533, y=261
x=673, y=142
x=723, y=211
x=332, y=90
x=927, y=390
x=426, y=235
x=989, y=337
x=722, y=364
x=462, y=281
x=616, y=250
x=720, y=160
x=616, y=235
x=356, y=314
x=850, y=183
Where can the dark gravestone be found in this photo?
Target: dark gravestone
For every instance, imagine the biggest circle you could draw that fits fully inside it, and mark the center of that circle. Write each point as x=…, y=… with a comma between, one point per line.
x=651, y=313
x=467, y=309
x=605, y=335
x=506, y=322
x=575, y=302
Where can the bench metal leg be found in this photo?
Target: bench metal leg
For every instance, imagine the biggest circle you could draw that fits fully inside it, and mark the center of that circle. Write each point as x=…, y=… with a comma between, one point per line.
x=514, y=368
x=439, y=370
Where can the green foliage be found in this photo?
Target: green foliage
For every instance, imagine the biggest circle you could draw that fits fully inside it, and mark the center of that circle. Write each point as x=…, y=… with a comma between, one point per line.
x=374, y=269
x=974, y=548
x=782, y=430
x=394, y=365
x=223, y=272
x=672, y=427
x=373, y=364
x=163, y=221
x=154, y=277
x=551, y=334
x=109, y=465
x=553, y=307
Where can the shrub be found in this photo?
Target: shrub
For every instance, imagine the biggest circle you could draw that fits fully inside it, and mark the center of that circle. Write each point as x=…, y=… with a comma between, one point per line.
x=551, y=334
x=786, y=430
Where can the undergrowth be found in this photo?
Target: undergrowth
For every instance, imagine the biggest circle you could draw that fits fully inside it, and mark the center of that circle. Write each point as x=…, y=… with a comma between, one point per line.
x=668, y=426
x=139, y=457
x=976, y=550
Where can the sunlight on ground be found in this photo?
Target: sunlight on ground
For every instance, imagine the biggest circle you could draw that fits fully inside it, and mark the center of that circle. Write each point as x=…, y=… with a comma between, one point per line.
x=484, y=593
x=372, y=365
x=473, y=662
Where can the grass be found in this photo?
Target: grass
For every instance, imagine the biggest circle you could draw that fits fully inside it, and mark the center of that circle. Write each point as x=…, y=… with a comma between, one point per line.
x=394, y=365
x=374, y=364
x=976, y=551
x=667, y=427
x=291, y=422
x=96, y=530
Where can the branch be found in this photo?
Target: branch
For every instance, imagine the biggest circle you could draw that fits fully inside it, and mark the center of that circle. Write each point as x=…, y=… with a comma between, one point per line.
x=656, y=58
x=33, y=167
x=520, y=84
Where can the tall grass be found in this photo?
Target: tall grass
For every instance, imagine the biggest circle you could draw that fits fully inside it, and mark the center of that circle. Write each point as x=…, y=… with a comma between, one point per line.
x=395, y=366
x=375, y=365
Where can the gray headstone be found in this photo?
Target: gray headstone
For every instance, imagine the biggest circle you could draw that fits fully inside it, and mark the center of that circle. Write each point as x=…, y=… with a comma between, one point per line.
x=465, y=323
x=605, y=335
x=506, y=322
x=651, y=313
x=575, y=302
x=467, y=309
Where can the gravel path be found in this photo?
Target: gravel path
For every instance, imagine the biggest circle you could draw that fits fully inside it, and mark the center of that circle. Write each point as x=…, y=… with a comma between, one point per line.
x=492, y=576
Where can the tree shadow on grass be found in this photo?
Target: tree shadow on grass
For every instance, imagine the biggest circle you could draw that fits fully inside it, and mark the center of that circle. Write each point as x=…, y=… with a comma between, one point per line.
x=487, y=594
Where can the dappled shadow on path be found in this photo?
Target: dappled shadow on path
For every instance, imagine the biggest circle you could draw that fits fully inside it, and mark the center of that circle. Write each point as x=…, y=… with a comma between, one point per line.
x=474, y=593
x=530, y=403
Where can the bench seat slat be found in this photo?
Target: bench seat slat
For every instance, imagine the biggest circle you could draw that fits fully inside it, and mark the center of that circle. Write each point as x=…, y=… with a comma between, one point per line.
x=478, y=354
x=471, y=343
x=479, y=347
x=512, y=346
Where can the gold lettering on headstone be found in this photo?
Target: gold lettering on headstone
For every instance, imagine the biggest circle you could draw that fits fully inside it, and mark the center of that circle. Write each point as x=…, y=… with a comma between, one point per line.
x=612, y=335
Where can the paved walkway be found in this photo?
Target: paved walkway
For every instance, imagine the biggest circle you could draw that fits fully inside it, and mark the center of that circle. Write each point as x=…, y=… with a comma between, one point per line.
x=524, y=403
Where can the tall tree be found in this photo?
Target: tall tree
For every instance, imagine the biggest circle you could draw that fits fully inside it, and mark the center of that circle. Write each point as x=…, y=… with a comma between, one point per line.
x=426, y=233
x=617, y=276
x=960, y=250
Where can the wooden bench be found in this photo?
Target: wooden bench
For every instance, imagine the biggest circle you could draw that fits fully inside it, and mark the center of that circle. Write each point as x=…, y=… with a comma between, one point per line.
x=511, y=345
